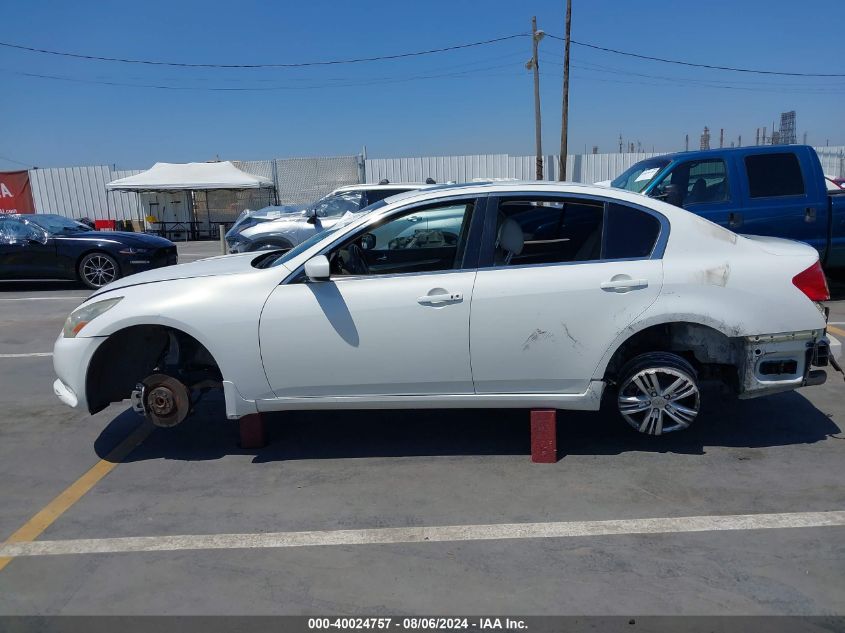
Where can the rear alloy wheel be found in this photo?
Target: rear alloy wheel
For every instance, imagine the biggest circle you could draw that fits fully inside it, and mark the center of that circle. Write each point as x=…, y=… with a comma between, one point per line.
x=659, y=393
x=98, y=269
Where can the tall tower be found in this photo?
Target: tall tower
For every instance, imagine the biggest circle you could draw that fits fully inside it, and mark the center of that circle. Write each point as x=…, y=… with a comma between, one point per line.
x=705, y=138
x=787, y=128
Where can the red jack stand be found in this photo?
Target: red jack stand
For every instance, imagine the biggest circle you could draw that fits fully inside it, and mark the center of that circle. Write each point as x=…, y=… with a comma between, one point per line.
x=253, y=434
x=543, y=436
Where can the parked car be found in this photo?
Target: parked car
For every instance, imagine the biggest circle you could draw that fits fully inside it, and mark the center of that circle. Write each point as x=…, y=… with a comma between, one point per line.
x=487, y=295
x=776, y=190
x=47, y=246
x=833, y=183
x=291, y=229
x=249, y=218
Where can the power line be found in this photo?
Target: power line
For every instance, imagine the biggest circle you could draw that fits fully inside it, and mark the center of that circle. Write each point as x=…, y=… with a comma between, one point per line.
x=278, y=65
x=431, y=51
x=694, y=65
x=828, y=87
x=333, y=84
x=12, y=160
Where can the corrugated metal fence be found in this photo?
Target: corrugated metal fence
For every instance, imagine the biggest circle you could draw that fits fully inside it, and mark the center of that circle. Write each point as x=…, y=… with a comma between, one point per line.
x=579, y=167
x=81, y=191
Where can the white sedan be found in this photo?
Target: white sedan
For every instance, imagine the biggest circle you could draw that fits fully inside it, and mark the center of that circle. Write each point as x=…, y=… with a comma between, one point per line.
x=504, y=294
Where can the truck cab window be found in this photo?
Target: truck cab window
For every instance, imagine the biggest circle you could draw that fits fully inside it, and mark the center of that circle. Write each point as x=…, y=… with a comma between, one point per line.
x=694, y=182
x=773, y=175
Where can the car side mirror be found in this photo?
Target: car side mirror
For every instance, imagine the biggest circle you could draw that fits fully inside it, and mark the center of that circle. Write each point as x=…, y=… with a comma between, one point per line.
x=318, y=269
x=368, y=241
x=312, y=219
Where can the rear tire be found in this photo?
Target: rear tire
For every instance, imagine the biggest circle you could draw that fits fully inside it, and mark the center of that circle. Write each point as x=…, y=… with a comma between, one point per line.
x=658, y=393
x=98, y=269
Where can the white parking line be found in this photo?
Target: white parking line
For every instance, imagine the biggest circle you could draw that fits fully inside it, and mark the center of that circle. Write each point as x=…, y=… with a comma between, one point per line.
x=44, y=298
x=29, y=355
x=434, y=534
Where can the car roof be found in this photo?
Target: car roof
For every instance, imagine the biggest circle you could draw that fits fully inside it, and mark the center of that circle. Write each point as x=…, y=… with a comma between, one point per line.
x=435, y=192
x=721, y=151
x=377, y=187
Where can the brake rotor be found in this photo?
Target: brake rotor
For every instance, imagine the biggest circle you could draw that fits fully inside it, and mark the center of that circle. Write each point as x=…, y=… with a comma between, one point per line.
x=166, y=400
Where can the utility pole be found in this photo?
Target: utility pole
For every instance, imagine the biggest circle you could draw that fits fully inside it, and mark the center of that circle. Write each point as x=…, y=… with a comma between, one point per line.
x=564, y=131
x=534, y=64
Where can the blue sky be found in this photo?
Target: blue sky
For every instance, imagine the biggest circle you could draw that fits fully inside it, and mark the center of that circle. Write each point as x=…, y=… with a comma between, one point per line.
x=477, y=100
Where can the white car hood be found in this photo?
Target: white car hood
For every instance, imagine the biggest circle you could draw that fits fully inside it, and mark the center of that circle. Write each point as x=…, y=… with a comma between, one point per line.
x=212, y=266
x=278, y=224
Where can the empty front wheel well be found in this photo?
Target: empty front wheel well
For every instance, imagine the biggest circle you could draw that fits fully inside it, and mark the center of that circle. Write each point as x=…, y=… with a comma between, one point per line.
x=713, y=354
x=130, y=355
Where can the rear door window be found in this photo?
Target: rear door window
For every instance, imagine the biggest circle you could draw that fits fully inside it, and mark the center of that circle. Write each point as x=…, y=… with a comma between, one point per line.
x=774, y=175
x=553, y=231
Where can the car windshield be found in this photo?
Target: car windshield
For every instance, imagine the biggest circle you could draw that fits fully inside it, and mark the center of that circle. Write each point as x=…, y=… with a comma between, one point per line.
x=638, y=177
x=317, y=237
x=336, y=204
x=56, y=224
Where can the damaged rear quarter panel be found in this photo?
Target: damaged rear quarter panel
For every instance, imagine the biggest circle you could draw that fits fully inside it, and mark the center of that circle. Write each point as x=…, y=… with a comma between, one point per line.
x=730, y=285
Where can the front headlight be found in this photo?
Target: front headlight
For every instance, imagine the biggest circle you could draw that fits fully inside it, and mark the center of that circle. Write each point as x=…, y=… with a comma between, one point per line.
x=131, y=250
x=83, y=315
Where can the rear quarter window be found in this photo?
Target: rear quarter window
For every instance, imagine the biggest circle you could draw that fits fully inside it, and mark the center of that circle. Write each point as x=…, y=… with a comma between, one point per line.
x=774, y=175
x=629, y=233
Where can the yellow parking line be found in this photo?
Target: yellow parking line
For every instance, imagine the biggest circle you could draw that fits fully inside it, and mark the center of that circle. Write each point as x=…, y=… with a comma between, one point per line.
x=33, y=528
x=836, y=330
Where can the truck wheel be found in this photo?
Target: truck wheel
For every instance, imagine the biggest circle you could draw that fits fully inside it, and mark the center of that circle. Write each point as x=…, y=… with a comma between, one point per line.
x=98, y=269
x=658, y=393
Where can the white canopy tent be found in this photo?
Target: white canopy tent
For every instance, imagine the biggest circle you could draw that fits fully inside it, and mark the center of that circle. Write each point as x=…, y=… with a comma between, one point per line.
x=189, y=199
x=192, y=176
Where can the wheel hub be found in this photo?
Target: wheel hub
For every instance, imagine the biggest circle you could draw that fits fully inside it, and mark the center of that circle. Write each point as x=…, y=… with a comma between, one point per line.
x=659, y=400
x=166, y=400
x=161, y=401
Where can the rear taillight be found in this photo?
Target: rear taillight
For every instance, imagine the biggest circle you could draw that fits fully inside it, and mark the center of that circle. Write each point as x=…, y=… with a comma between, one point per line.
x=812, y=283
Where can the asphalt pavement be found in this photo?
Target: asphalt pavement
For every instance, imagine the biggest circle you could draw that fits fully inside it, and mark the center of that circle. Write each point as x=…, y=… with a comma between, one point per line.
x=349, y=478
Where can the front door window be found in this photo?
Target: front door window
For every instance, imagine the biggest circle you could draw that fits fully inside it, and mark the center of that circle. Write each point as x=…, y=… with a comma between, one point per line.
x=422, y=240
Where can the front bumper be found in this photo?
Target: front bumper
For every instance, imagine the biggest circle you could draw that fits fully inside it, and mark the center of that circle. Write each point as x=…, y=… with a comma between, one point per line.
x=237, y=246
x=71, y=357
x=131, y=264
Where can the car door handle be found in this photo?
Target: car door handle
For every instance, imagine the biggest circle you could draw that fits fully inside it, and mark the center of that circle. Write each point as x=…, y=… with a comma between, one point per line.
x=624, y=285
x=809, y=215
x=448, y=297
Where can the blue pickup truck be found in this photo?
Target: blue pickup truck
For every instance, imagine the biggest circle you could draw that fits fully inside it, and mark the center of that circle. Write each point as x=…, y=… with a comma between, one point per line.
x=776, y=190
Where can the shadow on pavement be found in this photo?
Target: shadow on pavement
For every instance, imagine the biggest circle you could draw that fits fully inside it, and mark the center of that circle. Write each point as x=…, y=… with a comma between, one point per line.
x=779, y=420
x=36, y=285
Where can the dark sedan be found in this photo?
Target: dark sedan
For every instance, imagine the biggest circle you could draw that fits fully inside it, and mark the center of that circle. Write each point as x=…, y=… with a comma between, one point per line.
x=47, y=246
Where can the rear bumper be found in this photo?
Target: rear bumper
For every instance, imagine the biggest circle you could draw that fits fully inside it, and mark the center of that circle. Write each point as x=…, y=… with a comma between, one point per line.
x=782, y=362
